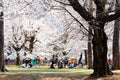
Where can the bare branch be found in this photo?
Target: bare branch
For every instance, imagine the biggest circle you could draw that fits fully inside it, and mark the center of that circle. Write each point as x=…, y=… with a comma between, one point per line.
x=62, y=2
x=27, y=3
x=77, y=21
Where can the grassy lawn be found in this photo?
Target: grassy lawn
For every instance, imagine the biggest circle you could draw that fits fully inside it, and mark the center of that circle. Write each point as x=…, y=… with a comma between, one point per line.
x=44, y=73
x=45, y=70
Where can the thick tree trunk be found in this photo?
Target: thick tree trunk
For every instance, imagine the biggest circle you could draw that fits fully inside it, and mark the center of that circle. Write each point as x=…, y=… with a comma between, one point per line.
x=100, y=53
x=116, y=53
x=99, y=42
x=99, y=39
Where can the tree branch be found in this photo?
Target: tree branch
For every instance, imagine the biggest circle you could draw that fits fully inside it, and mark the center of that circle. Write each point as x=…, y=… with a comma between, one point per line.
x=61, y=2
x=111, y=17
x=78, y=21
x=100, y=4
x=114, y=14
x=81, y=10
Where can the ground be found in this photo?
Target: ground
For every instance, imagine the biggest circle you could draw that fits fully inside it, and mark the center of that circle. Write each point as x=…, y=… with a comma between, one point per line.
x=53, y=77
x=44, y=73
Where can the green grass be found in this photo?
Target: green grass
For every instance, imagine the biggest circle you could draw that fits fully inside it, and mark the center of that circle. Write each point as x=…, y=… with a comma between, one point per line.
x=45, y=70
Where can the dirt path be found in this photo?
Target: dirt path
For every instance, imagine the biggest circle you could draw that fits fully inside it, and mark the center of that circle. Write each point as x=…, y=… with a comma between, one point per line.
x=53, y=77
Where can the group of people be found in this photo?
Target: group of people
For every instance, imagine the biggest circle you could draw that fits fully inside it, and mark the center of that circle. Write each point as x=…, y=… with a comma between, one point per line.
x=28, y=62
x=64, y=62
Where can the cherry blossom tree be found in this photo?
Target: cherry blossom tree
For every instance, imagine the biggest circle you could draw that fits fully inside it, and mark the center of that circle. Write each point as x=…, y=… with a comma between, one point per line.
x=97, y=23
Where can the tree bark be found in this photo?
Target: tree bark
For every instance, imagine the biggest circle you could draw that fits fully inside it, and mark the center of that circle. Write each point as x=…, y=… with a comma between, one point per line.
x=32, y=38
x=18, y=59
x=80, y=59
x=100, y=65
x=17, y=49
x=99, y=42
x=116, y=53
x=85, y=53
x=89, y=59
x=2, y=68
x=89, y=52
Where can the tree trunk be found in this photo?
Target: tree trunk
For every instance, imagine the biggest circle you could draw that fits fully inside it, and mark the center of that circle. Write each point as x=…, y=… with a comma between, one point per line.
x=99, y=38
x=116, y=53
x=18, y=59
x=85, y=52
x=100, y=53
x=80, y=59
x=89, y=59
x=2, y=68
x=31, y=44
x=89, y=52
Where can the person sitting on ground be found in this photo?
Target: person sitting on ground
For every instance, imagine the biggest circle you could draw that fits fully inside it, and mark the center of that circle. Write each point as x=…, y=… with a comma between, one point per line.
x=65, y=61
x=71, y=65
x=23, y=65
x=60, y=64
